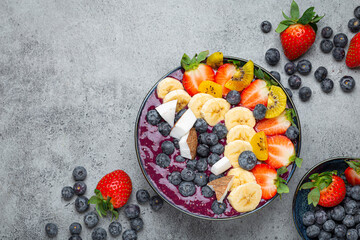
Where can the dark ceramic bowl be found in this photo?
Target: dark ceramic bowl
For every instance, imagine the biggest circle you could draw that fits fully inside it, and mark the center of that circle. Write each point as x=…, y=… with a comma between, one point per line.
x=147, y=146
x=300, y=204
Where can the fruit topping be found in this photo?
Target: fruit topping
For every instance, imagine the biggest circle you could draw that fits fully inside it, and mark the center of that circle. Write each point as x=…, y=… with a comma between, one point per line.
x=352, y=173
x=276, y=102
x=181, y=96
x=214, y=110
x=290, y=68
x=201, y=179
x=327, y=85
x=234, y=149
x=240, y=132
x=272, y=56
x=242, y=77
x=203, y=150
x=218, y=149
x=326, y=46
x=167, y=111
x=347, y=83
x=168, y=147
x=212, y=88
x=265, y=26
x=338, y=53
x=221, y=166
x=340, y=40
x=164, y=128
x=260, y=146
x=256, y=93
x=187, y=189
x=320, y=73
x=218, y=208
x=304, y=67
x=278, y=125
x=281, y=152
x=215, y=60
x=213, y=158
x=294, y=82
x=245, y=197
x=211, y=139
x=197, y=102
x=200, y=125
x=201, y=165
x=167, y=85
x=183, y=125
x=326, y=32
x=163, y=160
x=233, y=97
x=207, y=192
x=353, y=54
x=239, y=116
x=276, y=75
x=188, y=144
x=224, y=74
x=247, y=160
x=221, y=186
x=305, y=94
x=153, y=117
x=187, y=175
x=175, y=178
x=241, y=177
x=220, y=130
x=259, y=111
x=292, y=132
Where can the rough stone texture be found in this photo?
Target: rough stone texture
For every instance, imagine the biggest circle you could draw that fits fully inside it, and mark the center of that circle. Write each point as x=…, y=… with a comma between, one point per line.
x=72, y=78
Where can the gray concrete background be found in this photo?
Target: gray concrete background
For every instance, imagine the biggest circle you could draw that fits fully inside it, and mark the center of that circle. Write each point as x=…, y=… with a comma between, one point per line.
x=72, y=78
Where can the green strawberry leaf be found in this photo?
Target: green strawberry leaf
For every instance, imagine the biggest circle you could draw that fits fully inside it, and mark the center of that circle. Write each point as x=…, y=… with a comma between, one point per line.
x=313, y=176
x=314, y=26
x=202, y=56
x=314, y=197
x=185, y=61
x=287, y=22
x=307, y=16
x=317, y=18
x=281, y=171
x=294, y=11
x=354, y=164
x=307, y=185
x=282, y=188
x=285, y=16
x=298, y=162
x=259, y=73
x=281, y=28
x=290, y=114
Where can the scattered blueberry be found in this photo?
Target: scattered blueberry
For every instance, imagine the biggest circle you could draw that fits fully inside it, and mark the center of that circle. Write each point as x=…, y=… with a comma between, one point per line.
x=79, y=188
x=132, y=211
x=187, y=189
x=79, y=173
x=91, y=219
x=276, y=75
x=187, y=174
x=347, y=83
x=156, y=203
x=324, y=235
x=352, y=234
x=51, y=230
x=142, y=196
x=355, y=192
x=67, y=193
x=247, y=160
x=304, y=67
x=162, y=160
x=200, y=125
x=308, y=218
x=326, y=46
x=218, y=149
x=305, y=93
x=340, y=231
x=202, y=138
x=129, y=234
x=115, y=229
x=326, y=32
x=81, y=204
x=327, y=85
x=320, y=73
x=290, y=68
x=357, y=217
x=350, y=207
x=207, y=191
x=340, y=40
x=191, y=164
x=294, y=81
x=265, y=26
x=176, y=143
x=217, y=207
x=272, y=56
x=259, y=111
x=203, y=150
x=75, y=228
x=338, y=213
x=233, y=97
x=289, y=92
x=320, y=217
x=357, y=12
x=179, y=158
x=167, y=147
x=98, y=234
x=179, y=114
x=75, y=237
x=201, y=179
x=213, y=158
x=338, y=53
x=175, y=178
x=349, y=221
x=153, y=117
x=212, y=177
x=292, y=132
x=211, y=139
x=164, y=129
x=201, y=165
x=220, y=130
x=329, y=226
x=312, y=231
x=354, y=25
x=136, y=224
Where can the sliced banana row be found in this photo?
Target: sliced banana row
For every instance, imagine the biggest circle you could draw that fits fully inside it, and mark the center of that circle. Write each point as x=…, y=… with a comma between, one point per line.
x=214, y=110
x=167, y=85
x=240, y=132
x=197, y=102
x=182, y=97
x=239, y=116
x=246, y=197
x=241, y=177
x=234, y=149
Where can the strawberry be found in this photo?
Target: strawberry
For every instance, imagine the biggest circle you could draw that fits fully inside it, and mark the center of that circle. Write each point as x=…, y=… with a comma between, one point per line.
x=224, y=74
x=297, y=34
x=281, y=152
x=278, y=125
x=352, y=173
x=113, y=191
x=256, y=93
x=353, y=54
x=270, y=180
x=327, y=189
x=195, y=72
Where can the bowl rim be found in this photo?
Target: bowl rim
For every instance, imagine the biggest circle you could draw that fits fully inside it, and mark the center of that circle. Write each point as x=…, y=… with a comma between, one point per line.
x=301, y=181
x=188, y=212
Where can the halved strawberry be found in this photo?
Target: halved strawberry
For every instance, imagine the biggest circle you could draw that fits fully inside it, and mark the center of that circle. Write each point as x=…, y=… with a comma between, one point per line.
x=224, y=74
x=276, y=126
x=352, y=173
x=256, y=93
x=196, y=72
x=270, y=181
x=281, y=152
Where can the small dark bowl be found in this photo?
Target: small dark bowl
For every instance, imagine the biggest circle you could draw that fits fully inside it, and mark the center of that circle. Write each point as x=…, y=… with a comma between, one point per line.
x=300, y=203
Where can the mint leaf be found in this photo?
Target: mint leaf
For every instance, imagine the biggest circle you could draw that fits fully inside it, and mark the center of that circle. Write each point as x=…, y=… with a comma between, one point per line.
x=307, y=16
x=282, y=188
x=202, y=56
x=298, y=162
x=259, y=73
x=236, y=63
x=281, y=171
x=307, y=185
x=185, y=61
x=314, y=176
x=281, y=28
x=294, y=11
x=314, y=197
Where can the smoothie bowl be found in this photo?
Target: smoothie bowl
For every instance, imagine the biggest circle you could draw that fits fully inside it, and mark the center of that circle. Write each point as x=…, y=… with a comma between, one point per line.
x=218, y=138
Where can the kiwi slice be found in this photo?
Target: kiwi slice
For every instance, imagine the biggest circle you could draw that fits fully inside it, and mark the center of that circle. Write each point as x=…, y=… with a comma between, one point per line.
x=276, y=102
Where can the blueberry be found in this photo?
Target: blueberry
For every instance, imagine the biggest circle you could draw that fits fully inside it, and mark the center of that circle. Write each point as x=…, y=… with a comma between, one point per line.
x=212, y=177
x=79, y=188
x=164, y=129
x=211, y=139
x=354, y=25
x=179, y=158
x=91, y=219
x=320, y=217
x=272, y=56
x=320, y=73
x=308, y=218
x=304, y=67
x=79, y=173
x=81, y=204
x=51, y=230
x=202, y=138
x=162, y=160
x=200, y=125
x=142, y=196
x=132, y=211
x=187, y=189
x=207, y=191
x=340, y=40
x=259, y=111
x=305, y=94
x=289, y=92
x=75, y=228
x=98, y=234
x=352, y=234
x=213, y=158
x=290, y=68
x=355, y=193
x=218, y=149
x=357, y=12
x=276, y=75
x=357, y=217
x=326, y=32
x=75, y=237
x=326, y=46
x=175, y=178
x=153, y=117
x=67, y=193
x=347, y=83
x=191, y=164
x=167, y=147
x=292, y=132
x=187, y=174
x=217, y=207
x=176, y=143
x=265, y=26
x=329, y=226
x=349, y=221
x=203, y=150
x=338, y=213
x=201, y=179
x=129, y=234
x=115, y=229
x=340, y=231
x=179, y=114
x=324, y=235
x=294, y=81
x=358, y=228
x=348, y=189
x=233, y=97
x=247, y=160
x=338, y=53
x=220, y=130
x=350, y=207
x=312, y=231
x=156, y=203
x=136, y=224
x=201, y=165
x=327, y=85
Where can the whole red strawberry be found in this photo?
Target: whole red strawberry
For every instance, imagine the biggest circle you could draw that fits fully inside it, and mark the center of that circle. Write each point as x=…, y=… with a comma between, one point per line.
x=297, y=34
x=113, y=191
x=327, y=189
x=352, y=173
x=353, y=54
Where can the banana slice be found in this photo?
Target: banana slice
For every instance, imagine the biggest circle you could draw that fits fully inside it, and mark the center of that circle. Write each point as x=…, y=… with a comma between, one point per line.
x=239, y=116
x=197, y=102
x=181, y=96
x=240, y=132
x=245, y=197
x=214, y=110
x=167, y=85
x=234, y=149
x=241, y=177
